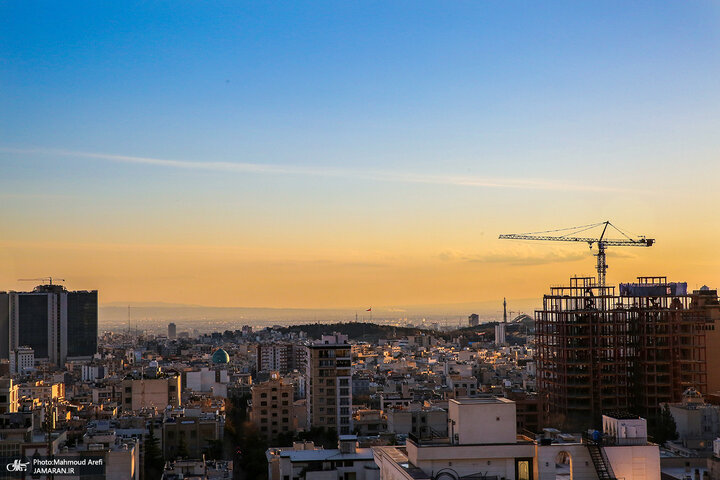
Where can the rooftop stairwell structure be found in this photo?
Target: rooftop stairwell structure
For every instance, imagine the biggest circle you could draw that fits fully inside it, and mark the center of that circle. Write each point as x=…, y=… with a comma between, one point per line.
x=602, y=465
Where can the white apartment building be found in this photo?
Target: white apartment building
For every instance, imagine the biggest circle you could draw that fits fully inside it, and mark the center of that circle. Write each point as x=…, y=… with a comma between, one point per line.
x=483, y=442
x=22, y=360
x=697, y=422
x=90, y=373
x=304, y=461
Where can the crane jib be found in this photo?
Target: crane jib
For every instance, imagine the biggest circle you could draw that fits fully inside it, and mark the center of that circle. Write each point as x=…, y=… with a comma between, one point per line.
x=601, y=241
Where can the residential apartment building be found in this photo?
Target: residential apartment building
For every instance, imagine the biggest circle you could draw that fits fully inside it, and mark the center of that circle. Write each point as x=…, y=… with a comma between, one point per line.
x=151, y=392
x=329, y=384
x=194, y=434
x=272, y=407
x=42, y=391
x=303, y=461
x=8, y=396
x=22, y=360
x=280, y=357
x=483, y=443
x=697, y=423
x=422, y=422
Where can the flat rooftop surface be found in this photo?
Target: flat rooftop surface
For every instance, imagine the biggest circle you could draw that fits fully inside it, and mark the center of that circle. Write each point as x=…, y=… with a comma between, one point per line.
x=480, y=400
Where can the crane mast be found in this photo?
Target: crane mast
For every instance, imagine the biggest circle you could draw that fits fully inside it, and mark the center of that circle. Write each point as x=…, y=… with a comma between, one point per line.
x=602, y=242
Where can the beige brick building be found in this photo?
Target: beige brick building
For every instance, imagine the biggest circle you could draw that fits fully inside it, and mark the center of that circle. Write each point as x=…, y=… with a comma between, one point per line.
x=329, y=384
x=272, y=407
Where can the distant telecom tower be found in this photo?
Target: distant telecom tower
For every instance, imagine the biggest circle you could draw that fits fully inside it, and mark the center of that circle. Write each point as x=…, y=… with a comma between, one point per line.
x=500, y=327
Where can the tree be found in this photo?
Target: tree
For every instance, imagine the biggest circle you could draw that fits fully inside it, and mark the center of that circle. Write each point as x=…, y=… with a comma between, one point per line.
x=182, y=448
x=321, y=436
x=215, y=450
x=154, y=463
x=249, y=446
x=665, y=427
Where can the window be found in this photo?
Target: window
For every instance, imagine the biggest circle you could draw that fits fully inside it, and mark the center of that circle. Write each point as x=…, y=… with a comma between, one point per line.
x=263, y=395
x=343, y=382
x=263, y=404
x=285, y=395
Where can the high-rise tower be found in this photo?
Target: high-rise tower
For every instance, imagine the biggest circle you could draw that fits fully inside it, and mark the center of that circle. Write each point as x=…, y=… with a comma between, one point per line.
x=328, y=383
x=57, y=324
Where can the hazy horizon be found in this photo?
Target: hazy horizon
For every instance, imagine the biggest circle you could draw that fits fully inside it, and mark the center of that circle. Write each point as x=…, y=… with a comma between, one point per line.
x=208, y=318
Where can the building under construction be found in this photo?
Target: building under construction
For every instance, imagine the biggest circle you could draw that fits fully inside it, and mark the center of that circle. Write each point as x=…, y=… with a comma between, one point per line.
x=602, y=350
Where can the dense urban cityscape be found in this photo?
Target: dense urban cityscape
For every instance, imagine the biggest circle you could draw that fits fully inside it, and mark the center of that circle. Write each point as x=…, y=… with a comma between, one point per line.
x=602, y=383
x=359, y=240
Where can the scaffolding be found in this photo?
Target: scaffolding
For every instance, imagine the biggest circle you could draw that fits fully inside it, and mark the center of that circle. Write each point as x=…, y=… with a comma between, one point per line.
x=599, y=351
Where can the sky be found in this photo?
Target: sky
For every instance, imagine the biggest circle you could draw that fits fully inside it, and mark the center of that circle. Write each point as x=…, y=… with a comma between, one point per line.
x=349, y=154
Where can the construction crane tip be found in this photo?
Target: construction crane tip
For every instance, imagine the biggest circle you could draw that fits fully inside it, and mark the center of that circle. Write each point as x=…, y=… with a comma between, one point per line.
x=602, y=241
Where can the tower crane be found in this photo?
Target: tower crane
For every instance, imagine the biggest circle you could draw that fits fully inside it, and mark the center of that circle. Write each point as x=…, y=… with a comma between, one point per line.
x=44, y=279
x=602, y=241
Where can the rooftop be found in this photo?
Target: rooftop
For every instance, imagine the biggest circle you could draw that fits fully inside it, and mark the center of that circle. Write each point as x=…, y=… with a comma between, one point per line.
x=481, y=400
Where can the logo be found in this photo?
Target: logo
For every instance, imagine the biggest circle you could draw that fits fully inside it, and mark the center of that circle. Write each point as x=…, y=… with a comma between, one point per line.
x=17, y=466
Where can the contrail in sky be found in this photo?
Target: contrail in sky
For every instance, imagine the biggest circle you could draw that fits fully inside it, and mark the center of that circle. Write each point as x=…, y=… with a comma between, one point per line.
x=350, y=173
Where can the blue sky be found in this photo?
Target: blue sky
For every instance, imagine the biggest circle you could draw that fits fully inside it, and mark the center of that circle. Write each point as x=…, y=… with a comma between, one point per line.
x=354, y=126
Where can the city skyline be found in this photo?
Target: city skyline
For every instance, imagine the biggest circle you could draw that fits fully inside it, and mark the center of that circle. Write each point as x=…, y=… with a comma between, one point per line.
x=341, y=156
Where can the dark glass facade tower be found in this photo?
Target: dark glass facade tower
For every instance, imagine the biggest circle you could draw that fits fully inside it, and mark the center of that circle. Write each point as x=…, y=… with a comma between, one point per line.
x=33, y=323
x=82, y=323
x=58, y=325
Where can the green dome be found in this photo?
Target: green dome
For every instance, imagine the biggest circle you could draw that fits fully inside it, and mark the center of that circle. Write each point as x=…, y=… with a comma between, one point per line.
x=220, y=356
